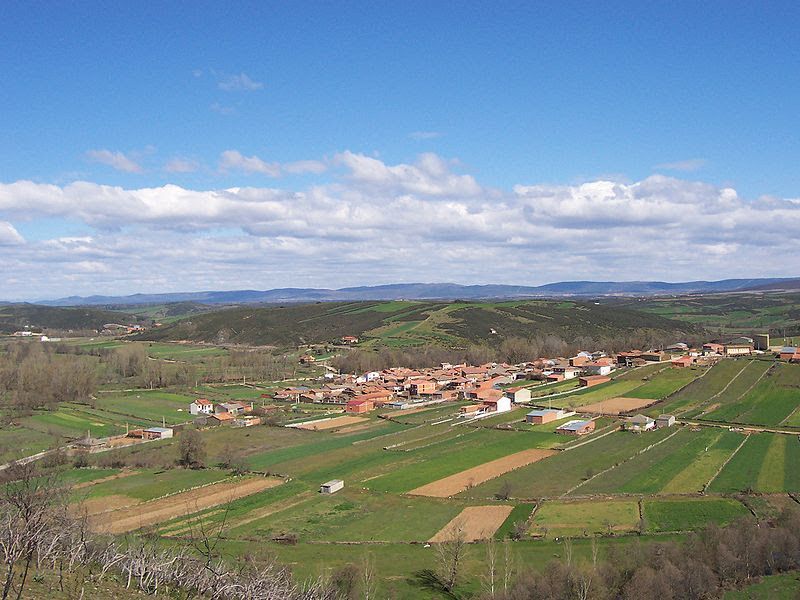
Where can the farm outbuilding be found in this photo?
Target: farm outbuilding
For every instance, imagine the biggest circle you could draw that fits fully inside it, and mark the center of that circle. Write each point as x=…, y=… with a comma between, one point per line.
x=640, y=423
x=546, y=415
x=592, y=380
x=157, y=433
x=576, y=428
x=331, y=487
x=665, y=421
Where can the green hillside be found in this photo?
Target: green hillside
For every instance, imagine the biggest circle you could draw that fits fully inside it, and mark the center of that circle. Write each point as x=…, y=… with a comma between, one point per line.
x=14, y=317
x=402, y=323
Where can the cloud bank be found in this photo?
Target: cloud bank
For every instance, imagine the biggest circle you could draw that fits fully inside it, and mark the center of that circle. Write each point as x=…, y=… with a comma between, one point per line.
x=373, y=222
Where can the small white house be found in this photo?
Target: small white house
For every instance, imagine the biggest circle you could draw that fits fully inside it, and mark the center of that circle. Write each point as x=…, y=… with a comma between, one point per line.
x=331, y=487
x=597, y=369
x=499, y=405
x=640, y=423
x=201, y=406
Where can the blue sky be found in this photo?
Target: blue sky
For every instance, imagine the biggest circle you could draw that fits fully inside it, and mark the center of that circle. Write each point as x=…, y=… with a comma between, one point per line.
x=348, y=116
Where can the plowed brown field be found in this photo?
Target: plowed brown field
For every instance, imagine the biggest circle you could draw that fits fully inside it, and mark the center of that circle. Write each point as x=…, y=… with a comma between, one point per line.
x=475, y=523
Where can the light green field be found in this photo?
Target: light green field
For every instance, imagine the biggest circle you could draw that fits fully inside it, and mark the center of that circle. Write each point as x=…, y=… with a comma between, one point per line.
x=664, y=383
x=571, y=519
x=149, y=484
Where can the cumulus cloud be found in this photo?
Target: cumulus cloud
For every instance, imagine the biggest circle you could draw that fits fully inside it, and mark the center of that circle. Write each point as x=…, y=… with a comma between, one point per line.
x=239, y=83
x=379, y=222
x=693, y=164
x=116, y=160
x=430, y=175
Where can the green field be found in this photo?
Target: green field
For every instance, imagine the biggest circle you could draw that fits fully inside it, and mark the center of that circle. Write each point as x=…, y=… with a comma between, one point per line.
x=772, y=587
x=769, y=402
x=557, y=474
x=686, y=515
x=766, y=463
x=576, y=519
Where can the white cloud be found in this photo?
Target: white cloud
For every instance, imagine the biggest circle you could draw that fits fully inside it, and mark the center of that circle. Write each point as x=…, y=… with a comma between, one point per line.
x=239, y=83
x=234, y=160
x=390, y=222
x=9, y=236
x=424, y=135
x=181, y=165
x=117, y=160
x=693, y=164
x=430, y=175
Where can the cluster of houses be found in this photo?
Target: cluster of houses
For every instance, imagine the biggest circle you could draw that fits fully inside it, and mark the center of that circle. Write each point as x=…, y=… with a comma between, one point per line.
x=491, y=386
x=233, y=413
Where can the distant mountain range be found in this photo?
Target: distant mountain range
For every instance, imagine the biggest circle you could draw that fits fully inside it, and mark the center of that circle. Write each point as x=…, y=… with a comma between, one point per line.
x=437, y=291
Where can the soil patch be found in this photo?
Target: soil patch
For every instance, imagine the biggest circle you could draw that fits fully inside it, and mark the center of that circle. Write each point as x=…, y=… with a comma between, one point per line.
x=332, y=423
x=615, y=406
x=452, y=485
x=96, y=506
x=164, y=509
x=475, y=523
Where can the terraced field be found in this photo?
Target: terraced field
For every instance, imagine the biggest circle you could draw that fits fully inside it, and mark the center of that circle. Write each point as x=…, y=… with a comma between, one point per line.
x=765, y=463
x=689, y=514
x=769, y=400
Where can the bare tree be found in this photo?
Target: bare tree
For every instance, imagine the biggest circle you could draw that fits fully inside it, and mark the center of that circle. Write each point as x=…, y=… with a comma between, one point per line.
x=450, y=554
x=491, y=568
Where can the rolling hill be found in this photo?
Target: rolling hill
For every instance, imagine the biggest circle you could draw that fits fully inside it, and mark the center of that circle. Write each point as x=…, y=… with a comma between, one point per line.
x=427, y=291
x=407, y=323
x=14, y=317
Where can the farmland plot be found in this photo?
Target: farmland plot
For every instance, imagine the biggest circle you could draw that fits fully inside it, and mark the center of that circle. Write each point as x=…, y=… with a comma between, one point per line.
x=737, y=387
x=774, y=398
x=744, y=469
x=664, y=383
x=649, y=472
x=474, y=523
x=558, y=474
x=571, y=519
x=442, y=460
x=703, y=388
x=688, y=514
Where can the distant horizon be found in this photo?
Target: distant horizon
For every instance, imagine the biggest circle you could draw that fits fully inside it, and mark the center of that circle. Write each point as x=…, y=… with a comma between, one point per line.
x=371, y=286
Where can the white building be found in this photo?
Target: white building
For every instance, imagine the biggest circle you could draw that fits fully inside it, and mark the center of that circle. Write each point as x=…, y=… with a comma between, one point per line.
x=201, y=406
x=331, y=487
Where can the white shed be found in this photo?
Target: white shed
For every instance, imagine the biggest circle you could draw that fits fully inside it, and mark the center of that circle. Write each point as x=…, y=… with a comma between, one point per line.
x=332, y=486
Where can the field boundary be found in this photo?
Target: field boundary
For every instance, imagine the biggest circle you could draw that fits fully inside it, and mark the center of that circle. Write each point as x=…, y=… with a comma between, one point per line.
x=725, y=464
x=612, y=467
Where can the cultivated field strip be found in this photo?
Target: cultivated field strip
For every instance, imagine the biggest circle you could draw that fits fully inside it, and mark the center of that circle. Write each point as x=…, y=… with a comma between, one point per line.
x=474, y=523
x=452, y=485
x=156, y=511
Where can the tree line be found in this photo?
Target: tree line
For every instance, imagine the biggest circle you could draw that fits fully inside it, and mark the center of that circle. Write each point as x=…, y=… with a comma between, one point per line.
x=512, y=350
